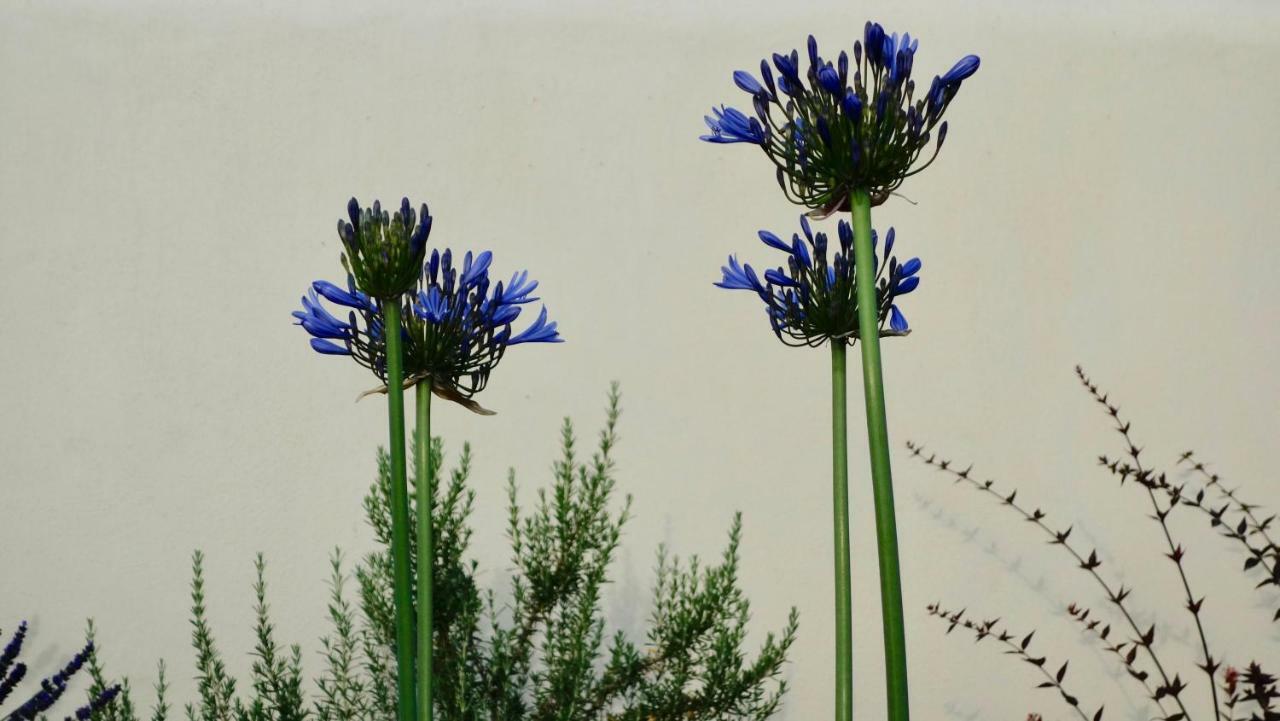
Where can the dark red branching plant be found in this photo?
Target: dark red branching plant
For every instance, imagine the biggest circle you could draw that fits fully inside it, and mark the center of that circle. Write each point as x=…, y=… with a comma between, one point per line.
x=1247, y=694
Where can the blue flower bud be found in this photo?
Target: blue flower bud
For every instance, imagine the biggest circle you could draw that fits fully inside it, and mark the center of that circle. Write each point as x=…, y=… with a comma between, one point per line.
x=767, y=75
x=406, y=214
x=746, y=82
x=888, y=241
x=787, y=67
x=774, y=241
x=906, y=285
x=814, y=60
x=346, y=233
x=829, y=79
x=334, y=294
x=776, y=277
x=328, y=347
x=897, y=321
x=873, y=38
x=824, y=131
x=911, y=267
x=965, y=67
x=800, y=252
x=852, y=105
x=353, y=212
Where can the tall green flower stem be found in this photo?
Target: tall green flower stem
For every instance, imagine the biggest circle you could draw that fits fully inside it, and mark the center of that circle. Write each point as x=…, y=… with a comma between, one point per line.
x=895, y=645
x=426, y=549
x=840, y=504
x=402, y=571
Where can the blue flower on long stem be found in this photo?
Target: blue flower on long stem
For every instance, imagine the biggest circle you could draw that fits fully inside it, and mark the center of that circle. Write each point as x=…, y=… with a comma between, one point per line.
x=843, y=125
x=455, y=328
x=811, y=298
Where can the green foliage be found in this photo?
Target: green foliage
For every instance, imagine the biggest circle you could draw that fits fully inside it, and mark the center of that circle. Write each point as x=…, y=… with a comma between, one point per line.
x=543, y=655
x=543, y=652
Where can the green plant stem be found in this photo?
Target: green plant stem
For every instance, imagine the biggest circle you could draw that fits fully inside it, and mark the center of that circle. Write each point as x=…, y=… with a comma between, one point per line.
x=895, y=644
x=840, y=505
x=426, y=550
x=402, y=572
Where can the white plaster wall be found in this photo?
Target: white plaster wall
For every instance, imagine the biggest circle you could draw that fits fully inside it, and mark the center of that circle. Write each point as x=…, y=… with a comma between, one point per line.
x=169, y=178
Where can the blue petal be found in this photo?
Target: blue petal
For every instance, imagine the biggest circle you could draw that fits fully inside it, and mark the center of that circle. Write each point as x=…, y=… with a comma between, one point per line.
x=829, y=79
x=335, y=294
x=519, y=288
x=897, y=321
x=540, y=332
x=852, y=105
x=777, y=277
x=787, y=67
x=473, y=272
x=801, y=251
x=738, y=276
x=911, y=267
x=747, y=82
x=906, y=285
x=965, y=67
x=328, y=347
x=774, y=241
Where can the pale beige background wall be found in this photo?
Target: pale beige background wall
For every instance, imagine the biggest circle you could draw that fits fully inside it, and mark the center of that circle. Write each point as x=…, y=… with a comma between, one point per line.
x=169, y=179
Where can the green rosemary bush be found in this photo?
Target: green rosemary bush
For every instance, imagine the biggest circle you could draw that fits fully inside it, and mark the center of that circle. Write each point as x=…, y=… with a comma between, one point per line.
x=544, y=653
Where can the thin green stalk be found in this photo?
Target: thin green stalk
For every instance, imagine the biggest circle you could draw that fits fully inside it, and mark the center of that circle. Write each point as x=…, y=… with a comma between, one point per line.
x=840, y=504
x=895, y=643
x=426, y=550
x=399, y=514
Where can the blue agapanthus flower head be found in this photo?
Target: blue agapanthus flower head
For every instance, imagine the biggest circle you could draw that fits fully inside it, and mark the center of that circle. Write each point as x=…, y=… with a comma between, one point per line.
x=844, y=124
x=384, y=251
x=455, y=327
x=811, y=298
x=461, y=322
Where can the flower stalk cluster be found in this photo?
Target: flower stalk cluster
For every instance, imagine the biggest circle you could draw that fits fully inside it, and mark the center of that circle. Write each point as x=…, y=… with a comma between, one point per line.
x=843, y=135
x=421, y=322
